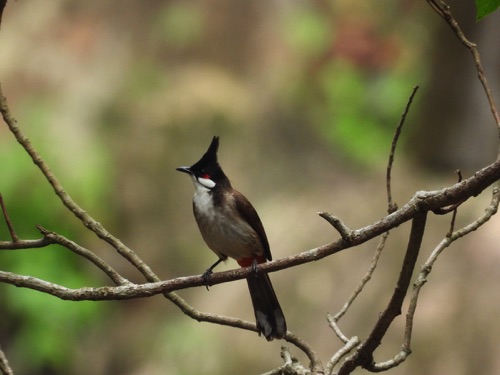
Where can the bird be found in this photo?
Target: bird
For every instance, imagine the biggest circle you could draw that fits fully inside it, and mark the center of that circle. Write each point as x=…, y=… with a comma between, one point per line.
x=231, y=227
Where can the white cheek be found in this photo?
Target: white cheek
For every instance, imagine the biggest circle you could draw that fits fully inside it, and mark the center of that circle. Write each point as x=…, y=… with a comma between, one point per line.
x=206, y=182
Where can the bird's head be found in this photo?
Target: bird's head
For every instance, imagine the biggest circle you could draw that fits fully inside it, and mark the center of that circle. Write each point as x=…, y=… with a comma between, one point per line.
x=207, y=172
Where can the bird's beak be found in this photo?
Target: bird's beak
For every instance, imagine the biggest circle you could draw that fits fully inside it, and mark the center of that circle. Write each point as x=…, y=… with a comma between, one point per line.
x=184, y=169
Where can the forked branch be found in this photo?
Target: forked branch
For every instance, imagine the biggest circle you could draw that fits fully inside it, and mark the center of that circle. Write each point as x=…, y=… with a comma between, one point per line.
x=416, y=210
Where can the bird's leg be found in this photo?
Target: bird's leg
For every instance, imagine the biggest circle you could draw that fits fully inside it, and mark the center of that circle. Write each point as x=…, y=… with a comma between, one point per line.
x=206, y=275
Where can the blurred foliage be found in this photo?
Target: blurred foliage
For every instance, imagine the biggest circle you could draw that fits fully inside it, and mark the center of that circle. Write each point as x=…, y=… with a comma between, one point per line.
x=354, y=94
x=308, y=30
x=179, y=24
x=115, y=96
x=41, y=320
x=360, y=113
x=171, y=87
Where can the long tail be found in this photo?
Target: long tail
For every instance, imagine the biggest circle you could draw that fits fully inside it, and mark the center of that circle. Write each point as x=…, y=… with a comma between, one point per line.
x=268, y=314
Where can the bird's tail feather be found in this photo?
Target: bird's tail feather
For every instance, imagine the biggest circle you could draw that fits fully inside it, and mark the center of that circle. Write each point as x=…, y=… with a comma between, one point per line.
x=268, y=314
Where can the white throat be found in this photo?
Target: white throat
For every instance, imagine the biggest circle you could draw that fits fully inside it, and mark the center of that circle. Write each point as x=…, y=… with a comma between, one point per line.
x=202, y=198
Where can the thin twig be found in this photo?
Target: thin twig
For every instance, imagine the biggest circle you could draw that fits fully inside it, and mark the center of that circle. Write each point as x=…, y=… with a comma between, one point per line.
x=89, y=222
x=393, y=362
x=364, y=355
x=443, y=10
x=4, y=364
x=428, y=265
x=24, y=244
x=103, y=234
x=366, y=278
x=454, y=215
x=346, y=349
x=344, y=231
x=85, y=253
x=97, y=228
x=391, y=206
x=315, y=362
x=291, y=366
x=422, y=201
x=13, y=234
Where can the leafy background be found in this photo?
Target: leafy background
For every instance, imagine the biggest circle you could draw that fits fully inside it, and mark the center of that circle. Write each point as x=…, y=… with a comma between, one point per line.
x=305, y=97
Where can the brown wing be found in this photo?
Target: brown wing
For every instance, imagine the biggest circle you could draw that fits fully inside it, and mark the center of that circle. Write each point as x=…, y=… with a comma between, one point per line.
x=246, y=210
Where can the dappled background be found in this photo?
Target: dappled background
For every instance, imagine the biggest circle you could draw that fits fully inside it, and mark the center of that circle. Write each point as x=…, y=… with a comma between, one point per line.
x=305, y=97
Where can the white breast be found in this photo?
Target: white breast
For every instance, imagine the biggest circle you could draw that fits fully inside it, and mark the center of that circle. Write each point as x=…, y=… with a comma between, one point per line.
x=224, y=231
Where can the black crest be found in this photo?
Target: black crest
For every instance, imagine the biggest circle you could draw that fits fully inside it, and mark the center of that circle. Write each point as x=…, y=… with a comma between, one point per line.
x=208, y=167
x=210, y=157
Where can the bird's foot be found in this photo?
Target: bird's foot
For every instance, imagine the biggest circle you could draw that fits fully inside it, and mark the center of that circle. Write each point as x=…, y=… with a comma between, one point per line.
x=206, y=277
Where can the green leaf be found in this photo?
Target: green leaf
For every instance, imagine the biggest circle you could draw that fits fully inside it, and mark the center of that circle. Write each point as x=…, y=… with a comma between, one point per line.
x=485, y=7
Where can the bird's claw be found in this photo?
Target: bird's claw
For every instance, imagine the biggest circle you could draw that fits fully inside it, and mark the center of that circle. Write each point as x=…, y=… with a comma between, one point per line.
x=206, y=277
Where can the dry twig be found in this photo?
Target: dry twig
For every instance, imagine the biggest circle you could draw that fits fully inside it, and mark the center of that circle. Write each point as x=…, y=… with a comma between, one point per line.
x=442, y=201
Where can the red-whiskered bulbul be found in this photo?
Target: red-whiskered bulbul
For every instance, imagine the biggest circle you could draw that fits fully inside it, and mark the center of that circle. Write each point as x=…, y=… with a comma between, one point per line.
x=232, y=228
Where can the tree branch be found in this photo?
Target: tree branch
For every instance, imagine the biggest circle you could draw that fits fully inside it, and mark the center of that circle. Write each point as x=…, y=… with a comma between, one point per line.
x=364, y=355
x=4, y=364
x=65, y=198
x=441, y=201
x=443, y=10
x=55, y=238
x=421, y=202
x=392, y=206
x=24, y=244
x=12, y=232
x=124, y=290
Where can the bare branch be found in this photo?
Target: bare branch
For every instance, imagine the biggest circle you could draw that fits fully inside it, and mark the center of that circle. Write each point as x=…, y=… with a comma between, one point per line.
x=125, y=290
x=427, y=268
x=443, y=10
x=394, y=362
x=393, y=207
x=332, y=320
x=446, y=242
x=315, y=365
x=421, y=202
x=364, y=355
x=66, y=199
x=13, y=234
x=443, y=201
x=344, y=231
x=85, y=253
x=24, y=244
x=290, y=367
x=346, y=349
x=454, y=215
x=4, y=364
